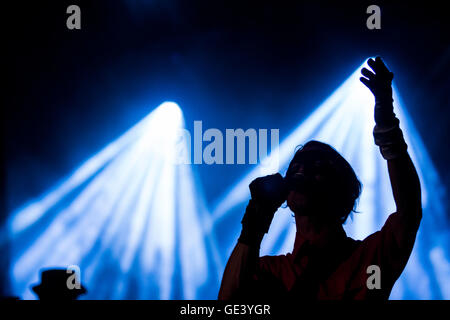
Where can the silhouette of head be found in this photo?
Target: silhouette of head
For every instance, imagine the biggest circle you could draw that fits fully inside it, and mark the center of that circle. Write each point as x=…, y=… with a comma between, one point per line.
x=322, y=184
x=54, y=286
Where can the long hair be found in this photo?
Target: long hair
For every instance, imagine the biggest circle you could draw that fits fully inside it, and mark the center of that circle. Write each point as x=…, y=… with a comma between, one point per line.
x=337, y=197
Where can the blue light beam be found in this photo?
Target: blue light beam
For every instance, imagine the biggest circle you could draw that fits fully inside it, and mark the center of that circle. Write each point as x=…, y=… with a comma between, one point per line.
x=345, y=121
x=131, y=217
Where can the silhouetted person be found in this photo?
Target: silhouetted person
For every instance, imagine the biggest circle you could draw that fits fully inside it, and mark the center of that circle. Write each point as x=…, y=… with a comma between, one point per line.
x=56, y=285
x=321, y=188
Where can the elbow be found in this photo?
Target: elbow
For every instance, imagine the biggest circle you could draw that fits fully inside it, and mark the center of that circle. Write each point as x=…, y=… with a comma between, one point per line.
x=227, y=295
x=418, y=203
x=413, y=204
x=416, y=214
x=419, y=214
x=221, y=297
x=411, y=213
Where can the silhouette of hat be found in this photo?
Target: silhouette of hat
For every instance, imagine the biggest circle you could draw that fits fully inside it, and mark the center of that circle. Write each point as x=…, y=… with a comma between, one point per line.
x=54, y=282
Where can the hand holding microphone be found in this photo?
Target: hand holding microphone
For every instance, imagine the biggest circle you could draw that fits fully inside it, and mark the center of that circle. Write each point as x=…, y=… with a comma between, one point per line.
x=267, y=194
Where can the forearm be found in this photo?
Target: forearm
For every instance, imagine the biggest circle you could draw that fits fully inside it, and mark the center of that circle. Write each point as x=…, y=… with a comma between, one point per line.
x=268, y=193
x=402, y=173
x=405, y=186
x=240, y=268
x=403, y=176
x=242, y=264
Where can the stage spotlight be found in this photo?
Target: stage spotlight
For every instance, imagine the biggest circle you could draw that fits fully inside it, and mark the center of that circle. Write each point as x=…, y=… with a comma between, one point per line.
x=130, y=217
x=345, y=121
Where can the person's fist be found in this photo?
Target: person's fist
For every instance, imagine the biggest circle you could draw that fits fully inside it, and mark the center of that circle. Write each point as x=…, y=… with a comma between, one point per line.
x=268, y=194
x=269, y=190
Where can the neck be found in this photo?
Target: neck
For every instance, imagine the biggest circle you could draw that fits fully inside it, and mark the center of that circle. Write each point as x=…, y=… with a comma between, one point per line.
x=320, y=235
x=310, y=229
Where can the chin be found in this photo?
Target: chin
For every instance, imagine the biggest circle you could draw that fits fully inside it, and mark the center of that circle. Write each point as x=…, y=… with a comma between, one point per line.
x=297, y=202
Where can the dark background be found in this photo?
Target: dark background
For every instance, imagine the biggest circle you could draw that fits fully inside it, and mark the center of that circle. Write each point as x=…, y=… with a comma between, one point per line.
x=231, y=64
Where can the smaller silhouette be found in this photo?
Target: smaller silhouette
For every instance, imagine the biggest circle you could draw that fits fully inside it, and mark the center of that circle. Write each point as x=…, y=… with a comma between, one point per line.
x=54, y=286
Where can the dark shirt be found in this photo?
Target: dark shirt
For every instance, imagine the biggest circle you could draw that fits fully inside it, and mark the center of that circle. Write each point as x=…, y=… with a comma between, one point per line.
x=334, y=266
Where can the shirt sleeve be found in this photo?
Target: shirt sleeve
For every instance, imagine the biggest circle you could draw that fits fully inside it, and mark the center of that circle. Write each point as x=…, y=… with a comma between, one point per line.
x=390, y=248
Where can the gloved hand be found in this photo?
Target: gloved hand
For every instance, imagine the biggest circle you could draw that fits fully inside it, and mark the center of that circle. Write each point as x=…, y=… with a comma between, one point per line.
x=267, y=194
x=380, y=84
x=387, y=133
x=269, y=191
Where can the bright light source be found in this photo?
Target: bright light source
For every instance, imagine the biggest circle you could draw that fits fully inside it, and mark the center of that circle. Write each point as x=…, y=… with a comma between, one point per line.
x=345, y=121
x=130, y=217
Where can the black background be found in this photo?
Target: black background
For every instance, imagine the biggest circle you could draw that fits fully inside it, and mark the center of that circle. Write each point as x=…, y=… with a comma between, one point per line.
x=231, y=64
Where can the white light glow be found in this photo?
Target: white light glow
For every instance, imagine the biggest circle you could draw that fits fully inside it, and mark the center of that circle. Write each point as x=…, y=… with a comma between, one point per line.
x=345, y=121
x=130, y=217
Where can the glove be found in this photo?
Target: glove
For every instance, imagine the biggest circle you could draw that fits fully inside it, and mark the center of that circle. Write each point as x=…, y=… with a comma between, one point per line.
x=267, y=195
x=387, y=133
x=269, y=191
x=379, y=83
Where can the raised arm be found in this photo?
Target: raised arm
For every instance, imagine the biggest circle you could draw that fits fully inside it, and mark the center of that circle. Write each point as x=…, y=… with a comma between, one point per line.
x=267, y=195
x=388, y=136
